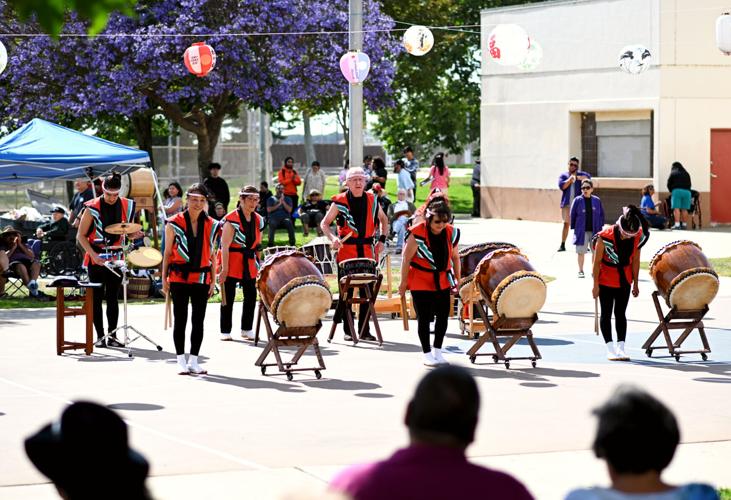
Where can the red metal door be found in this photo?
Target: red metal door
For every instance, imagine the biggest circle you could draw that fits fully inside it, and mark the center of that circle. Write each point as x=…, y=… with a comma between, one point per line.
x=721, y=176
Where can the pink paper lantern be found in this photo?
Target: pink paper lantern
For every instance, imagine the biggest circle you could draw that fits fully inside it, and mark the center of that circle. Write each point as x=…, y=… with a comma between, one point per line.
x=355, y=66
x=200, y=59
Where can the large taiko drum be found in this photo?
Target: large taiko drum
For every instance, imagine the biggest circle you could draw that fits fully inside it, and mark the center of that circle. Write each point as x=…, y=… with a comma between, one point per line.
x=469, y=258
x=293, y=289
x=510, y=284
x=138, y=183
x=684, y=276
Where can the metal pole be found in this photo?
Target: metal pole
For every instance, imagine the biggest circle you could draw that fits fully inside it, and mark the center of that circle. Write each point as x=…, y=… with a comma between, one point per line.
x=355, y=93
x=262, y=146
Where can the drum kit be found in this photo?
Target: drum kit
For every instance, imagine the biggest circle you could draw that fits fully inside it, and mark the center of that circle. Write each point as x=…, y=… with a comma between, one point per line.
x=143, y=257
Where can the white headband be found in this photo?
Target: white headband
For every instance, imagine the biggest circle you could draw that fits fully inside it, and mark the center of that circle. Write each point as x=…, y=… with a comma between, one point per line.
x=195, y=195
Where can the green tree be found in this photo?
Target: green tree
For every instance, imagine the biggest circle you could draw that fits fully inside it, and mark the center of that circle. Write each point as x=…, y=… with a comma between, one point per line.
x=51, y=14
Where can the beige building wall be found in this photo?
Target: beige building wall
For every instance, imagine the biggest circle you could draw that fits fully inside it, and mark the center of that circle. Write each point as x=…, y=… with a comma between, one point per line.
x=531, y=121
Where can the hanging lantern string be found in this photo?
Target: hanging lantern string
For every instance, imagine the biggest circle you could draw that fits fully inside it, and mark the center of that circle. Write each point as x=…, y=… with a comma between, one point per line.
x=251, y=34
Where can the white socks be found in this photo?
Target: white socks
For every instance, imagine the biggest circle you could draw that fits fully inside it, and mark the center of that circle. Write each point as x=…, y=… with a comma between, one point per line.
x=620, y=351
x=247, y=334
x=429, y=359
x=618, y=354
x=182, y=365
x=226, y=336
x=437, y=353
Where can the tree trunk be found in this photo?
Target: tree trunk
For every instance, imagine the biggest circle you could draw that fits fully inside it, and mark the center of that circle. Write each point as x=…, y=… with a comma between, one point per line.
x=143, y=132
x=205, y=154
x=341, y=114
x=309, y=146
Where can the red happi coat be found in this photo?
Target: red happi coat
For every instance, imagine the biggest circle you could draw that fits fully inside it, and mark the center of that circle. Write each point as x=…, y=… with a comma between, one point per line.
x=242, y=252
x=346, y=226
x=180, y=269
x=423, y=273
x=96, y=229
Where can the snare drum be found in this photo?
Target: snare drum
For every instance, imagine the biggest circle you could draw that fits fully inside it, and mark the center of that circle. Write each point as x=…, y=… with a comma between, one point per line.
x=360, y=270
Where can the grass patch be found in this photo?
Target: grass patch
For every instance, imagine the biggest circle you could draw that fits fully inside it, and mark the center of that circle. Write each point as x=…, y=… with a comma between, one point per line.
x=725, y=493
x=721, y=265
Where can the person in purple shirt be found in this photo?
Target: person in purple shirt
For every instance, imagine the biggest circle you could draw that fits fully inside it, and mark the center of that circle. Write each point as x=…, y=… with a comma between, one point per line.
x=441, y=417
x=570, y=189
x=587, y=219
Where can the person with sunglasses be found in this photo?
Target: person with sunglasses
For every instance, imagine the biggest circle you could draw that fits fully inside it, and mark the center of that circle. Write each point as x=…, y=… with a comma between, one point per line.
x=99, y=213
x=569, y=183
x=430, y=268
x=587, y=219
x=239, y=261
x=616, y=268
x=189, y=274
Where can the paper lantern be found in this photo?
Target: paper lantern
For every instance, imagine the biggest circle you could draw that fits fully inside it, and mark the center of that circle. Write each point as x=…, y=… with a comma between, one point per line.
x=355, y=66
x=533, y=57
x=723, y=33
x=200, y=59
x=418, y=40
x=3, y=57
x=508, y=44
x=634, y=59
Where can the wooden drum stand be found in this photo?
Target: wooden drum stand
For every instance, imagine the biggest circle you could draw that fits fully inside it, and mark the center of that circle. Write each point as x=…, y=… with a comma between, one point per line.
x=694, y=321
x=367, y=287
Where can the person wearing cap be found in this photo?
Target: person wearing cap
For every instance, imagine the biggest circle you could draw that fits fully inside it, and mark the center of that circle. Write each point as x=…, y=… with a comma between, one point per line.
x=100, y=248
x=57, y=229
x=21, y=259
x=312, y=212
x=587, y=219
x=63, y=452
x=289, y=179
x=357, y=213
x=616, y=269
x=239, y=261
x=189, y=273
x=315, y=179
x=218, y=189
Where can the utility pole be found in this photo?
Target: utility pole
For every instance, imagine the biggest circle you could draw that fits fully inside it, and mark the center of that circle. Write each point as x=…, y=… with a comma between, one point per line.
x=355, y=92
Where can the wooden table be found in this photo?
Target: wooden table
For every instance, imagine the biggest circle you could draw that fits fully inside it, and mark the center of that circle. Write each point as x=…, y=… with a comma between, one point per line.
x=62, y=312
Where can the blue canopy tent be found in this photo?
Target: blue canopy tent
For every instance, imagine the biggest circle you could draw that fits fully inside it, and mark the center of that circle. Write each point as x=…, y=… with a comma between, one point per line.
x=40, y=150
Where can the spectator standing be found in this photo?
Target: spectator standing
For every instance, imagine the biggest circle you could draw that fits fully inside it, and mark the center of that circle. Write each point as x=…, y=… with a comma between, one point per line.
x=368, y=171
x=289, y=179
x=403, y=179
x=343, y=176
x=218, y=188
x=173, y=199
x=381, y=197
x=312, y=212
x=649, y=210
x=84, y=193
x=264, y=195
x=315, y=179
x=411, y=165
x=475, y=185
x=439, y=173
x=587, y=219
x=637, y=436
x=441, y=418
x=570, y=189
x=379, y=174
x=279, y=208
x=398, y=214
x=680, y=196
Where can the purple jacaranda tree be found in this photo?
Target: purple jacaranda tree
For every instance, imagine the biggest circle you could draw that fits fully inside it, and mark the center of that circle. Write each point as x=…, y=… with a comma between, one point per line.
x=134, y=69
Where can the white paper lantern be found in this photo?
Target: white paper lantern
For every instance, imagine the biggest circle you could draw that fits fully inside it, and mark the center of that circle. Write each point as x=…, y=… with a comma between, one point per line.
x=723, y=33
x=533, y=57
x=354, y=65
x=635, y=59
x=508, y=44
x=3, y=57
x=418, y=40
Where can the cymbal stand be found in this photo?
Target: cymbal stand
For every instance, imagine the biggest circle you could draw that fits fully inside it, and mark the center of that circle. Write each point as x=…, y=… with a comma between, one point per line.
x=125, y=325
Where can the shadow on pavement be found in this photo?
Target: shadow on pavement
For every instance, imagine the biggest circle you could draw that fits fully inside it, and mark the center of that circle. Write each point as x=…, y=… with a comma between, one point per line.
x=373, y=395
x=341, y=385
x=245, y=383
x=528, y=374
x=135, y=406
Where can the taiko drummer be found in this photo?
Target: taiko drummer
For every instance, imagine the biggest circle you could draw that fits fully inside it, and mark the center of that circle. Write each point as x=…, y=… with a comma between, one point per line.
x=357, y=214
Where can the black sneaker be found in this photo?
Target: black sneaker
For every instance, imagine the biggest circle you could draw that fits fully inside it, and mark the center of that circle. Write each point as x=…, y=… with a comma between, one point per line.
x=113, y=342
x=348, y=338
x=100, y=343
x=562, y=248
x=367, y=336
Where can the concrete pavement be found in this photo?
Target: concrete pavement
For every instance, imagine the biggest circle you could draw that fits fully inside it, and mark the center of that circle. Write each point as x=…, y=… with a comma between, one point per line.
x=237, y=434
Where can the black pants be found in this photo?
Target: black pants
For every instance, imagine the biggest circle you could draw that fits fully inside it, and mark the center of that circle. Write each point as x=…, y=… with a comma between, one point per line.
x=197, y=294
x=616, y=298
x=475, y=201
x=416, y=184
x=427, y=305
x=340, y=316
x=109, y=291
x=247, y=313
x=275, y=224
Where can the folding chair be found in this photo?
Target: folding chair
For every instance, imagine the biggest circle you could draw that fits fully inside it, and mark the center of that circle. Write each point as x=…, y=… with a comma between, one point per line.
x=13, y=284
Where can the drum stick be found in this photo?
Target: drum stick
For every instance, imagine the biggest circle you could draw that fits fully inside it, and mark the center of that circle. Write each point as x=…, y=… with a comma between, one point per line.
x=168, y=303
x=404, y=312
x=344, y=240
x=223, y=293
x=596, y=316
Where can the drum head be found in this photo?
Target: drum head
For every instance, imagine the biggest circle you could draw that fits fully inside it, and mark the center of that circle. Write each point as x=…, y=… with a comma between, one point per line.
x=468, y=290
x=520, y=295
x=145, y=257
x=302, y=303
x=693, y=290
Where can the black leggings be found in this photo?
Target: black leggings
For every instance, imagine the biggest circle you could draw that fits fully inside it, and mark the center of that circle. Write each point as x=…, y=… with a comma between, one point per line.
x=247, y=312
x=109, y=291
x=428, y=304
x=197, y=294
x=618, y=298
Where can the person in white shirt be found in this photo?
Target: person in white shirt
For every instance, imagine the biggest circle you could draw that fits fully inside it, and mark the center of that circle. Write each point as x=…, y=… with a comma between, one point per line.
x=403, y=179
x=314, y=179
x=398, y=214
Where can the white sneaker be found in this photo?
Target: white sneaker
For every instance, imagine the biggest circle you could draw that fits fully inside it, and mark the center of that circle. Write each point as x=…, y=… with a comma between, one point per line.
x=248, y=334
x=194, y=367
x=611, y=352
x=226, y=337
x=182, y=366
x=429, y=359
x=437, y=354
x=621, y=355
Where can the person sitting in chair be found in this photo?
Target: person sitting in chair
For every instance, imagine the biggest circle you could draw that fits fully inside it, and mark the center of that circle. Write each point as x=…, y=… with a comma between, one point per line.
x=399, y=213
x=312, y=212
x=21, y=260
x=279, y=208
x=57, y=229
